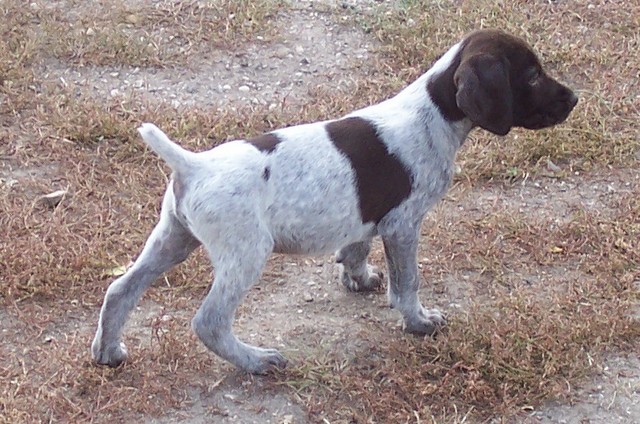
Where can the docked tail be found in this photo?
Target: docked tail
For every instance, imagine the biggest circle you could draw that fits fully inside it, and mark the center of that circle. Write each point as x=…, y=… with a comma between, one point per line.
x=176, y=157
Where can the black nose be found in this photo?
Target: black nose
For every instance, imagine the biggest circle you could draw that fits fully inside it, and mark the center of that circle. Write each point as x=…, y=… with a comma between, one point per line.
x=573, y=99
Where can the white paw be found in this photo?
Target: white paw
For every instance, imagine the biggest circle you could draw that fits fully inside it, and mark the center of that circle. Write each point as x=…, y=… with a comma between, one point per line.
x=112, y=355
x=373, y=280
x=426, y=323
x=263, y=361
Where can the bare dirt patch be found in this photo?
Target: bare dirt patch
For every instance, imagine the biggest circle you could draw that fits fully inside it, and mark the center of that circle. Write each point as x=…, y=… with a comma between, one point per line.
x=303, y=49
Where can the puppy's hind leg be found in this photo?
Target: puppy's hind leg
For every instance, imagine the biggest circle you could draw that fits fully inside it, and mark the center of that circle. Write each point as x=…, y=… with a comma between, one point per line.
x=357, y=274
x=169, y=244
x=238, y=259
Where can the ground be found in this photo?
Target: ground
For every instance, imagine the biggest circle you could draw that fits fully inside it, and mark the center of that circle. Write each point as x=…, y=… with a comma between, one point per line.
x=533, y=254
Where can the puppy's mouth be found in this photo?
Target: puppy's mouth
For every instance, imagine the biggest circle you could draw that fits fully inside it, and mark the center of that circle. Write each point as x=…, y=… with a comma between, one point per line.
x=558, y=115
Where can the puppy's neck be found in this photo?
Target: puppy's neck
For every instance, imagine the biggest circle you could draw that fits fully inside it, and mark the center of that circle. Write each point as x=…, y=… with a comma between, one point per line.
x=441, y=87
x=439, y=84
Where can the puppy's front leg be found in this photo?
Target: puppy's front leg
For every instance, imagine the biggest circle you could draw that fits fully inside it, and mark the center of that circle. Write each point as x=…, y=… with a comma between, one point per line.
x=401, y=250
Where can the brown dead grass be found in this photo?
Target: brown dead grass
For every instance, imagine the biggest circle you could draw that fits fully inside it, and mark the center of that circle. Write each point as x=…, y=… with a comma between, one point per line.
x=550, y=299
x=142, y=33
x=585, y=44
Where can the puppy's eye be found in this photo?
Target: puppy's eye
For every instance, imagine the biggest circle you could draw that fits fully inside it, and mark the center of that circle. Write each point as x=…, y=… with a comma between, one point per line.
x=533, y=77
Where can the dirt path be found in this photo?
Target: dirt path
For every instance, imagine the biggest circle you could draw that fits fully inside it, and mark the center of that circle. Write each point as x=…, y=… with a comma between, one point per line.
x=309, y=50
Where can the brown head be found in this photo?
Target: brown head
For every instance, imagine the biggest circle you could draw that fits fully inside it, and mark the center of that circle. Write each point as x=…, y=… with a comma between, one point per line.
x=497, y=82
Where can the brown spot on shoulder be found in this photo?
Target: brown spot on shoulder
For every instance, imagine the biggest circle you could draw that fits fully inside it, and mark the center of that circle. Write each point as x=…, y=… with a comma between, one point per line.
x=382, y=180
x=265, y=143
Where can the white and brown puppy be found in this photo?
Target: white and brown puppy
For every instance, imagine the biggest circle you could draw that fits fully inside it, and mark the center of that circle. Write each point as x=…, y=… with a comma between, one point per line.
x=333, y=185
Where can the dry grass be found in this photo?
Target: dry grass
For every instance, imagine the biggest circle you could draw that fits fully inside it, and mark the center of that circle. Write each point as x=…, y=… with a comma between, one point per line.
x=547, y=303
x=579, y=42
x=549, y=299
x=140, y=33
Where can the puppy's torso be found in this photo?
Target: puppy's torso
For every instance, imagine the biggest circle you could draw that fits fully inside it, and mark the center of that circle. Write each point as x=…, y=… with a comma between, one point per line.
x=304, y=185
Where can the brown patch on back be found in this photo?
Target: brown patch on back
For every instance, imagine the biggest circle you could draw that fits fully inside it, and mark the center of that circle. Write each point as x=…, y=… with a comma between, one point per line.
x=265, y=143
x=382, y=180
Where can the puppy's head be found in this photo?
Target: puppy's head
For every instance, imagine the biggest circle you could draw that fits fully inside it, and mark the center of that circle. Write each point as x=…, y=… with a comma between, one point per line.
x=499, y=83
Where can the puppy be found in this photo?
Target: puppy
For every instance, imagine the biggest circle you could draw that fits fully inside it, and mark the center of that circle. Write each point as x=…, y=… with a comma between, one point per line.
x=332, y=185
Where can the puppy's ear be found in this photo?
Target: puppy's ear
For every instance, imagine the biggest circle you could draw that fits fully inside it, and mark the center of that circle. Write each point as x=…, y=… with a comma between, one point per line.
x=483, y=93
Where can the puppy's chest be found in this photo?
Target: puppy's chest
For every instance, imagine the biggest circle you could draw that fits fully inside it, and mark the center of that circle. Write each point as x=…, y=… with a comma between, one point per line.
x=431, y=163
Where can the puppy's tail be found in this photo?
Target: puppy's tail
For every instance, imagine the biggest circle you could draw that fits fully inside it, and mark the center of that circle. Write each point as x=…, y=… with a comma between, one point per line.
x=176, y=157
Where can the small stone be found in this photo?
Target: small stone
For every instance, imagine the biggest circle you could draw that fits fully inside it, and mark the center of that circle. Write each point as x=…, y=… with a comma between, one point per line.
x=53, y=199
x=244, y=88
x=132, y=19
x=553, y=167
x=9, y=182
x=307, y=297
x=287, y=419
x=299, y=49
x=305, y=61
x=281, y=52
x=90, y=32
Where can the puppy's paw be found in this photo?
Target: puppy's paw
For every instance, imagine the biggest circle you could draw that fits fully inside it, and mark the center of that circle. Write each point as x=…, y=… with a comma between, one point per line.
x=369, y=282
x=428, y=322
x=264, y=361
x=113, y=355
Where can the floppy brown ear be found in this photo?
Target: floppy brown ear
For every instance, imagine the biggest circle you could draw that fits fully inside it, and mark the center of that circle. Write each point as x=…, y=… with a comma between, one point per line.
x=483, y=93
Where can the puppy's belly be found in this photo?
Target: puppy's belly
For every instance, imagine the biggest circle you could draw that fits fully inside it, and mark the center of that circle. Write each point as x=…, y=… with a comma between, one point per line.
x=306, y=243
x=317, y=233
x=312, y=205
